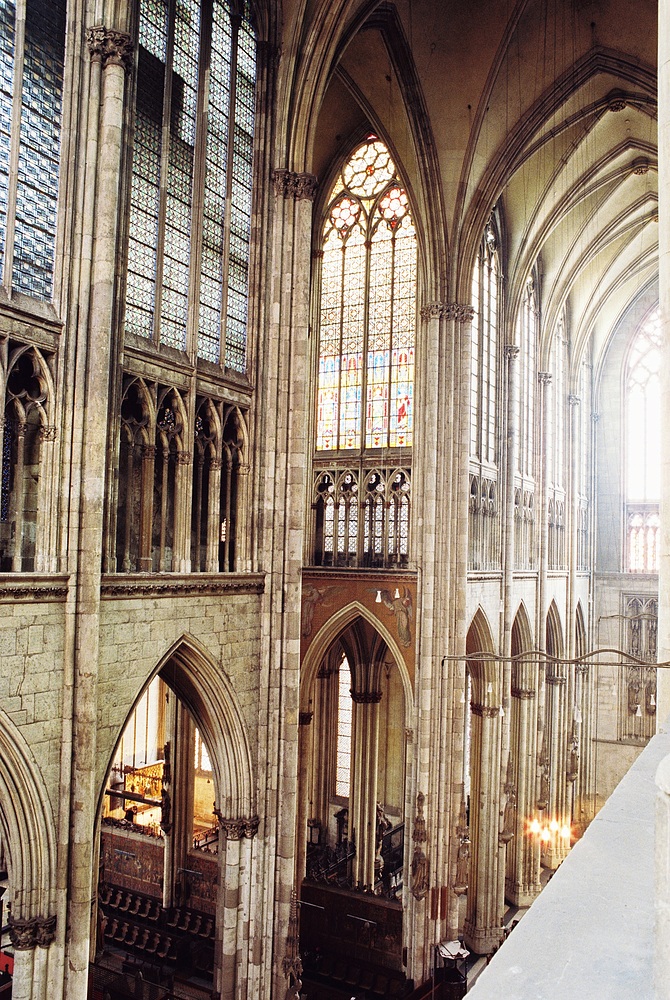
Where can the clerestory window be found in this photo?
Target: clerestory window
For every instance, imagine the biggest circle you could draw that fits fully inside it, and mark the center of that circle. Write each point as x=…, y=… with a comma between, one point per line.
x=32, y=47
x=190, y=213
x=365, y=385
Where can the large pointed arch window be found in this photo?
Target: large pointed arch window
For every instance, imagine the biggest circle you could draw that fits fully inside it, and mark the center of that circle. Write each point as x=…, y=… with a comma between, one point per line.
x=643, y=451
x=368, y=306
x=365, y=384
x=191, y=179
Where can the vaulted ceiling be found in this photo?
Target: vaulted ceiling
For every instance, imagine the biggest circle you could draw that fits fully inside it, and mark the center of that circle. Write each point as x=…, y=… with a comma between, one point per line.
x=545, y=108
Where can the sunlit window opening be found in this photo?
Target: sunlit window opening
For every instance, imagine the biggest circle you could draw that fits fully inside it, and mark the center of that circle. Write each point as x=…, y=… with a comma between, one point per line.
x=642, y=419
x=343, y=765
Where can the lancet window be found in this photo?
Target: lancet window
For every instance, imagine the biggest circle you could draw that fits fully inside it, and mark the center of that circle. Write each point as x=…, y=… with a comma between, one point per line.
x=191, y=179
x=32, y=46
x=485, y=349
x=527, y=341
x=642, y=457
x=344, y=729
x=159, y=483
x=365, y=381
x=27, y=435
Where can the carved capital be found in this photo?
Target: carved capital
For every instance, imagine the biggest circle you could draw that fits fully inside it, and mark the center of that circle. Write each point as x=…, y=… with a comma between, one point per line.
x=48, y=432
x=523, y=693
x=183, y=458
x=485, y=711
x=27, y=934
x=366, y=697
x=149, y=452
x=511, y=352
x=304, y=718
x=433, y=310
x=544, y=378
x=110, y=47
x=459, y=312
x=45, y=931
x=22, y=933
x=557, y=681
x=574, y=400
x=289, y=184
x=236, y=829
x=215, y=465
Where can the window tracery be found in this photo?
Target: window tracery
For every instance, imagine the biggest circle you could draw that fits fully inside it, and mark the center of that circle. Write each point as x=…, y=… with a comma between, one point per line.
x=32, y=46
x=26, y=431
x=158, y=481
x=191, y=180
x=361, y=519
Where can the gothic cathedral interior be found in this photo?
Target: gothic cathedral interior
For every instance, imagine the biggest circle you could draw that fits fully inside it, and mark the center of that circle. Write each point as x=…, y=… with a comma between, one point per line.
x=330, y=428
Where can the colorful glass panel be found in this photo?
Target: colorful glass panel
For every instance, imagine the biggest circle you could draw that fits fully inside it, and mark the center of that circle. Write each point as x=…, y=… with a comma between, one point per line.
x=368, y=305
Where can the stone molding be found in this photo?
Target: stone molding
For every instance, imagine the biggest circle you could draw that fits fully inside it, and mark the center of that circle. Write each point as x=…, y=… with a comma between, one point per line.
x=163, y=585
x=511, y=352
x=27, y=934
x=111, y=47
x=289, y=184
x=237, y=829
x=433, y=310
x=48, y=432
x=556, y=680
x=42, y=588
x=544, y=378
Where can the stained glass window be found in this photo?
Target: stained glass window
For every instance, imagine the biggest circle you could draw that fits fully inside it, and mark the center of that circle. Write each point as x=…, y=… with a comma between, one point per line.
x=527, y=341
x=368, y=304
x=484, y=362
x=28, y=238
x=192, y=96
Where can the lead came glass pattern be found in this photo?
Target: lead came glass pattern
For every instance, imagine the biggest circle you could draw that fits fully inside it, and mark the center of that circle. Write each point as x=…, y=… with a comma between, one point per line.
x=39, y=150
x=213, y=238
x=7, y=15
x=145, y=190
x=183, y=101
x=368, y=305
x=240, y=214
x=159, y=263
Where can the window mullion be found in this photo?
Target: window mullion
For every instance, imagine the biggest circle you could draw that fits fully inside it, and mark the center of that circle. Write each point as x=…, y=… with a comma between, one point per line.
x=15, y=142
x=390, y=342
x=165, y=164
x=338, y=417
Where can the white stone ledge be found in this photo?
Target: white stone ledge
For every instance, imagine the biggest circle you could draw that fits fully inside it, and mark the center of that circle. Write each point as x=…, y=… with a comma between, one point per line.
x=591, y=932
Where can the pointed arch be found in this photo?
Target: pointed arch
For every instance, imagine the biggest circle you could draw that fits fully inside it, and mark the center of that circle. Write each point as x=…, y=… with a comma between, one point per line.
x=208, y=694
x=27, y=825
x=331, y=632
x=555, y=644
x=484, y=672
